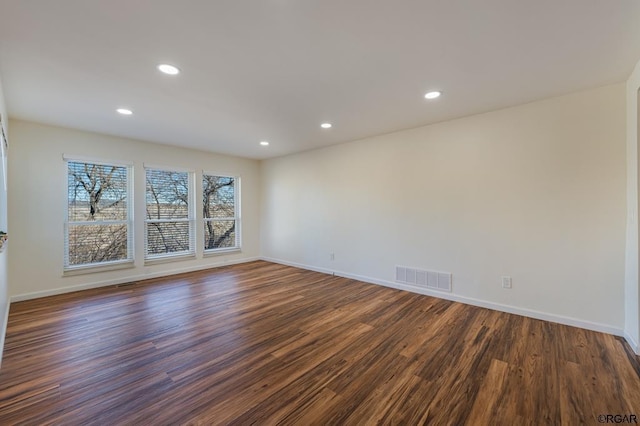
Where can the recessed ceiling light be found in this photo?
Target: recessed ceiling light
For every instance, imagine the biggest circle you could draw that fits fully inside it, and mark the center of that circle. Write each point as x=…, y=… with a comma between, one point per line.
x=326, y=125
x=124, y=111
x=433, y=95
x=168, y=69
x=264, y=143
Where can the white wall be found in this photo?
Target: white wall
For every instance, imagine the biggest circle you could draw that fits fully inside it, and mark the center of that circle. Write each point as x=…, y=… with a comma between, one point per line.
x=632, y=296
x=37, y=197
x=536, y=192
x=4, y=292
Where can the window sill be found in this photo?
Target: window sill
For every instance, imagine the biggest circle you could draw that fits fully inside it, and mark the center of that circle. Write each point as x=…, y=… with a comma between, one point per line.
x=168, y=259
x=91, y=269
x=220, y=252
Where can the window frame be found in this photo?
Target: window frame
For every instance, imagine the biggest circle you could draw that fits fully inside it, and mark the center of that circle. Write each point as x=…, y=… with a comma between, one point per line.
x=69, y=269
x=190, y=219
x=237, y=215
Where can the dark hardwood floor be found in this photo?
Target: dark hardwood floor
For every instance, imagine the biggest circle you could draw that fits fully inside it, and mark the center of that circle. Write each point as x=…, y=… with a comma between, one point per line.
x=261, y=343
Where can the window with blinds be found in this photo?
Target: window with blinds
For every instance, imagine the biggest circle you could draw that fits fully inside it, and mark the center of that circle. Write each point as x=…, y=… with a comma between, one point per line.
x=98, y=226
x=170, y=216
x=221, y=212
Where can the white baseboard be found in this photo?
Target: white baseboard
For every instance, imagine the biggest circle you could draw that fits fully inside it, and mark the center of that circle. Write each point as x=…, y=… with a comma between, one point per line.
x=302, y=266
x=632, y=342
x=3, y=328
x=122, y=280
x=604, y=328
x=588, y=325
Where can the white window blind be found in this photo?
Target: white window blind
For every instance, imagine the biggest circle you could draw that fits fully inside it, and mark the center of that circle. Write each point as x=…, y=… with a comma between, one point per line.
x=221, y=212
x=98, y=226
x=170, y=216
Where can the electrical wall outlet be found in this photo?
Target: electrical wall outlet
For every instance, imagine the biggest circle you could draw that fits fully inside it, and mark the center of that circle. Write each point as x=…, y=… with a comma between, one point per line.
x=506, y=282
x=332, y=256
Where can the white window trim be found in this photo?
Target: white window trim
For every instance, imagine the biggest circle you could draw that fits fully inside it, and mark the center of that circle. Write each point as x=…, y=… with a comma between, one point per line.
x=98, y=267
x=89, y=268
x=166, y=258
x=99, y=161
x=151, y=259
x=221, y=251
x=166, y=168
x=238, y=211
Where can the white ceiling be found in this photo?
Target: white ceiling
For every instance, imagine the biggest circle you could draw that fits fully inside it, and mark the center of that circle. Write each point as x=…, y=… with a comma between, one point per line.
x=274, y=70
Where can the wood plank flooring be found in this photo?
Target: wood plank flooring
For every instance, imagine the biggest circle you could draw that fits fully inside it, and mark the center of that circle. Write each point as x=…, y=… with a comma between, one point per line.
x=261, y=343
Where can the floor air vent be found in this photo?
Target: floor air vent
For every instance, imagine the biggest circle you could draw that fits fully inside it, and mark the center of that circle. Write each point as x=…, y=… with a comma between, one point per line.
x=433, y=280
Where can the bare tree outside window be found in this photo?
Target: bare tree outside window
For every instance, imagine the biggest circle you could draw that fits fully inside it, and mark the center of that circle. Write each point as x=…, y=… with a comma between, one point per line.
x=97, y=226
x=169, y=219
x=219, y=212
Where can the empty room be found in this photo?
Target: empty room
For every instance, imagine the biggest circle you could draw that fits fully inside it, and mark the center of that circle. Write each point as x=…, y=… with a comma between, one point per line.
x=319, y=212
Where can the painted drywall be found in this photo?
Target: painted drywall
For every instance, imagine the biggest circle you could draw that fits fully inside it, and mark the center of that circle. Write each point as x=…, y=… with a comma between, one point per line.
x=4, y=275
x=632, y=296
x=37, y=196
x=535, y=192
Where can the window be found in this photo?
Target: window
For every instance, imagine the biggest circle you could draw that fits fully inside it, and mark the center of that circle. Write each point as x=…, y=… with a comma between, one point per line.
x=170, y=219
x=98, y=227
x=220, y=212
